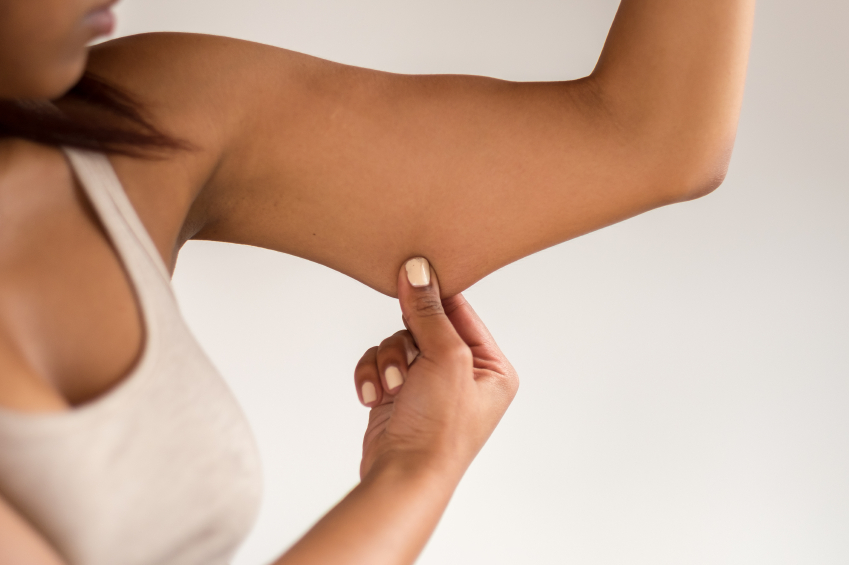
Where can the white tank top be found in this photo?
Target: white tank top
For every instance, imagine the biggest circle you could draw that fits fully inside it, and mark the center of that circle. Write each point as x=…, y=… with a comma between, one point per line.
x=162, y=469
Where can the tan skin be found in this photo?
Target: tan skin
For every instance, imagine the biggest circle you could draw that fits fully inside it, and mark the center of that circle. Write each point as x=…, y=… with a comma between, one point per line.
x=358, y=170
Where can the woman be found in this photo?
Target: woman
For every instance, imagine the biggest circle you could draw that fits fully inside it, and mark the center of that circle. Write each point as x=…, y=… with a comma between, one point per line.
x=118, y=442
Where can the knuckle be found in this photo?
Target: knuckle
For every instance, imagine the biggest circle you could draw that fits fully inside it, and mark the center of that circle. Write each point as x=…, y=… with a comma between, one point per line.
x=512, y=382
x=392, y=348
x=460, y=354
x=366, y=365
x=427, y=305
x=509, y=379
x=365, y=371
x=403, y=335
x=389, y=343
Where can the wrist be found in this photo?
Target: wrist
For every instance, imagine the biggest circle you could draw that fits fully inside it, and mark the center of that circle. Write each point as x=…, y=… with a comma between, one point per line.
x=428, y=472
x=387, y=518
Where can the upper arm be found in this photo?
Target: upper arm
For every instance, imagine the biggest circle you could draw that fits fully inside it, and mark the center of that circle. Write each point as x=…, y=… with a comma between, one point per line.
x=359, y=169
x=20, y=543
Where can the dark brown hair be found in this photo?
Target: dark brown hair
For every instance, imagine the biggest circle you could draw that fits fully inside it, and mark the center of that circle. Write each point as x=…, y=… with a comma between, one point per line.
x=92, y=115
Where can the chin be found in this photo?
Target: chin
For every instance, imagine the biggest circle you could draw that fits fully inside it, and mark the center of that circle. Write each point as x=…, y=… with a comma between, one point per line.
x=50, y=85
x=63, y=83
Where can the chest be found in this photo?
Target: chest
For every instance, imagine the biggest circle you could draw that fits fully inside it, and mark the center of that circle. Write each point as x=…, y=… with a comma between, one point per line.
x=161, y=470
x=70, y=326
x=68, y=313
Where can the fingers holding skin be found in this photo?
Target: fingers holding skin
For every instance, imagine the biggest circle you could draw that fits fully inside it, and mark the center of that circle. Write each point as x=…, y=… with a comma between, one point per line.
x=443, y=333
x=421, y=307
x=445, y=405
x=462, y=318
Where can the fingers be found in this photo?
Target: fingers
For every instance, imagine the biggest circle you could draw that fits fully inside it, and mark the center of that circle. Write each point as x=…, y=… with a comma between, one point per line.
x=394, y=356
x=367, y=379
x=473, y=331
x=421, y=307
x=466, y=322
x=382, y=370
x=488, y=356
x=448, y=333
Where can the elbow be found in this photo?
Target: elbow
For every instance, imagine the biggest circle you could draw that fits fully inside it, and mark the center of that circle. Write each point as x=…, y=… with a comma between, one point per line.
x=701, y=171
x=702, y=182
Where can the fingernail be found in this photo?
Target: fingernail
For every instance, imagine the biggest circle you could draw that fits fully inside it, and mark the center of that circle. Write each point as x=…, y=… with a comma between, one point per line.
x=418, y=272
x=369, y=394
x=394, y=378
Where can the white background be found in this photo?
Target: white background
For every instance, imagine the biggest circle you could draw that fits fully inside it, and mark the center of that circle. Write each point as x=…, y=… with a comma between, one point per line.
x=685, y=393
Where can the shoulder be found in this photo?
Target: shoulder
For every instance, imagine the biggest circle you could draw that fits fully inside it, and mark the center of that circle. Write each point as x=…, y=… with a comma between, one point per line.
x=191, y=84
x=168, y=76
x=188, y=86
x=218, y=94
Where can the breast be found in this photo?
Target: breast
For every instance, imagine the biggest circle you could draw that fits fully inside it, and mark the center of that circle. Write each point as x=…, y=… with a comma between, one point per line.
x=163, y=469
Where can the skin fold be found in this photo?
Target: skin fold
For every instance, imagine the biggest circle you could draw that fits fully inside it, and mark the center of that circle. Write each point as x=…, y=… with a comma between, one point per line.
x=358, y=170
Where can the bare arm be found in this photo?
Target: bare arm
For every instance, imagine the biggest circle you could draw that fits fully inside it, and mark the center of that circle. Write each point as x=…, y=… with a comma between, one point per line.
x=422, y=434
x=357, y=169
x=421, y=437
x=386, y=519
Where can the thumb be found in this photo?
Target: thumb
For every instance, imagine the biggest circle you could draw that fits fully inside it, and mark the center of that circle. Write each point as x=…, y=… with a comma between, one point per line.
x=421, y=307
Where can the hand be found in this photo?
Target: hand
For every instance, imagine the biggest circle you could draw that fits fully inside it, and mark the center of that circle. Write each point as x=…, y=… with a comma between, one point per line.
x=438, y=390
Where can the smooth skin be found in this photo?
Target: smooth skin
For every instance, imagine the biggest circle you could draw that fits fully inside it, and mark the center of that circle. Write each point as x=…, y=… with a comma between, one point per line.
x=352, y=168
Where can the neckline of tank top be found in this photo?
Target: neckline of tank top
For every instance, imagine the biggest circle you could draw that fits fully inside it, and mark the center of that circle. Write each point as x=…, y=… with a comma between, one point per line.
x=53, y=421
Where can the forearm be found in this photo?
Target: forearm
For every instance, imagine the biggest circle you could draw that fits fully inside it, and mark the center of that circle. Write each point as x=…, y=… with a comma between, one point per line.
x=385, y=520
x=672, y=73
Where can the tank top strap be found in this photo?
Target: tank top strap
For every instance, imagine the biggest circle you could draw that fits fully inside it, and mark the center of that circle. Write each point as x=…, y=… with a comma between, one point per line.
x=106, y=194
